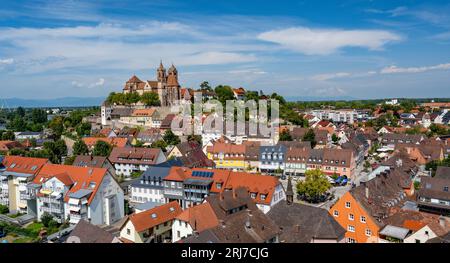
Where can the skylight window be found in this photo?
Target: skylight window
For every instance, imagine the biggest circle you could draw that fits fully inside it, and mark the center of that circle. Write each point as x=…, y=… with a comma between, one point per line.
x=153, y=215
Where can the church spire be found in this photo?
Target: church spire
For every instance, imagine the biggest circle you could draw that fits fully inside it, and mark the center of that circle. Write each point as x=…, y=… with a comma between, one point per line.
x=289, y=192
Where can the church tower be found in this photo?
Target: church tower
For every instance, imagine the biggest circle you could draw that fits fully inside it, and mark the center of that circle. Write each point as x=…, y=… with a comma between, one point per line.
x=161, y=73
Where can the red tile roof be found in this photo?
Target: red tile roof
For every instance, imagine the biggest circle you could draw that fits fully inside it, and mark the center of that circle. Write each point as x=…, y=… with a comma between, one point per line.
x=25, y=165
x=155, y=216
x=82, y=177
x=200, y=217
x=116, y=142
x=254, y=183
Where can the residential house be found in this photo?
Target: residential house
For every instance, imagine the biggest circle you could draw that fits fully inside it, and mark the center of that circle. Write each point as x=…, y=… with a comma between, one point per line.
x=149, y=117
x=15, y=174
x=151, y=226
x=195, y=219
x=6, y=146
x=191, y=155
x=28, y=135
x=272, y=158
x=191, y=186
x=322, y=137
x=433, y=195
x=239, y=93
x=239, y=221
x=71, y=193
x=85, y=232
x=300, y=223
x=113, y=141
x=94, y=161
x=148, y=137
x=227, y=155
x=392, y=139
x=363, y=211
x=411, y=226
x=134, y=159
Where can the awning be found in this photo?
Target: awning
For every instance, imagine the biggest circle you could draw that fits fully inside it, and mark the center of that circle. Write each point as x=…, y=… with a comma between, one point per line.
x=55, y=194
x=46, y=192
x=74, y=208
x=74, y=201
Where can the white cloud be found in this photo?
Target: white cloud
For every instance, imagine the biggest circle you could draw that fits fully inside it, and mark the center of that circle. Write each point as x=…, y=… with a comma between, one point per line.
x=323, y=77
x=98, y=83
x=328, y=41
x=6, y=61
x=395, y=69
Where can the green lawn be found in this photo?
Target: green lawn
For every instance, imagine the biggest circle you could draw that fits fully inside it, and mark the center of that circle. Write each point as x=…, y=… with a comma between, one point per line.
x=35, y=228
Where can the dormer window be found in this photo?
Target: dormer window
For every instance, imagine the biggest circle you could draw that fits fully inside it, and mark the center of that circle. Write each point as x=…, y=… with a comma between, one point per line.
x=263, y=197
x=253, y=195
x=219, y=185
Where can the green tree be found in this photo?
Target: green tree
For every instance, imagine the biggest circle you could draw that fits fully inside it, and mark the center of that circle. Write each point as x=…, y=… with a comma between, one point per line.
x=205, y=86
x=38, y=116
x=150, y=99
x=224, y=93
x=80, y=148
x=46, y=218
x=170, y=138
x=310, y=137
x=84, y=129
x=285, y=136
x=20, y=112
x=4, y=209
x=160, y=144
x=314, y=186
x=57, y=126
x=102, y=148
x=334, y=138
x=8, y=136
x=195, y=138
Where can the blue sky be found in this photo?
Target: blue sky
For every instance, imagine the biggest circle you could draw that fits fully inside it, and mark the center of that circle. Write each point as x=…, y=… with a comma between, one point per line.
x=353, y=48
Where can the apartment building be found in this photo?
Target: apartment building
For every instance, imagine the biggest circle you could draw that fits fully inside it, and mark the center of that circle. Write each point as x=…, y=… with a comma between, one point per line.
x=71, y=193
x=272, y=158
x=191, y=186
x=227, y=155
x=16, y=172
x=338, y=116
x=133, y=159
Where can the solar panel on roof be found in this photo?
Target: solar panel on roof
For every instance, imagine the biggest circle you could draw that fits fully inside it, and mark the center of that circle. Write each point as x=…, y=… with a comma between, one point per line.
x=202, y=174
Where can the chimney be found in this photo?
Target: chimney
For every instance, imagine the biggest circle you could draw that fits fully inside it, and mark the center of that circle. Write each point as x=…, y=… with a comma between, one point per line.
x=366, y=188
x=222, y=223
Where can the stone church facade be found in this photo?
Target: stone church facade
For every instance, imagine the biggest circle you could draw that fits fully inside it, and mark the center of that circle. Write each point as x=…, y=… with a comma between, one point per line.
x=166, y=85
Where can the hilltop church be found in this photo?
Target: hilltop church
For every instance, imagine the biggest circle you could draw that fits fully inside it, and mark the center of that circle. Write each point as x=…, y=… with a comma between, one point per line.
x=166, y=85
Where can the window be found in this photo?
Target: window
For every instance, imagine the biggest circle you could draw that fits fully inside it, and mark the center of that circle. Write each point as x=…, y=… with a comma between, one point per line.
x=263, y=197
x=178, y=234
x=351, y=217
x=253, y=195
x=351, y=240
x=445, y=188
x=362, y=219
x=368, y=232
x=347, y=205
x=128, y=231
x=336, y=213
x=350, y=228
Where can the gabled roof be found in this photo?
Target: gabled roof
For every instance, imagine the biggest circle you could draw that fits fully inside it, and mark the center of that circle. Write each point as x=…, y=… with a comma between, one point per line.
x=89, y=233
x=81, y=177
x=303, y=223
x=26, y=165
x=155, y=216
x=199, y=217
x=115, y=141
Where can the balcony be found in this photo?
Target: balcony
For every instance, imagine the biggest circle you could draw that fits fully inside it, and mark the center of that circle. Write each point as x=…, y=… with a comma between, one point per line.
x=27, y=196
x=51, y=200
x=53, y=209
